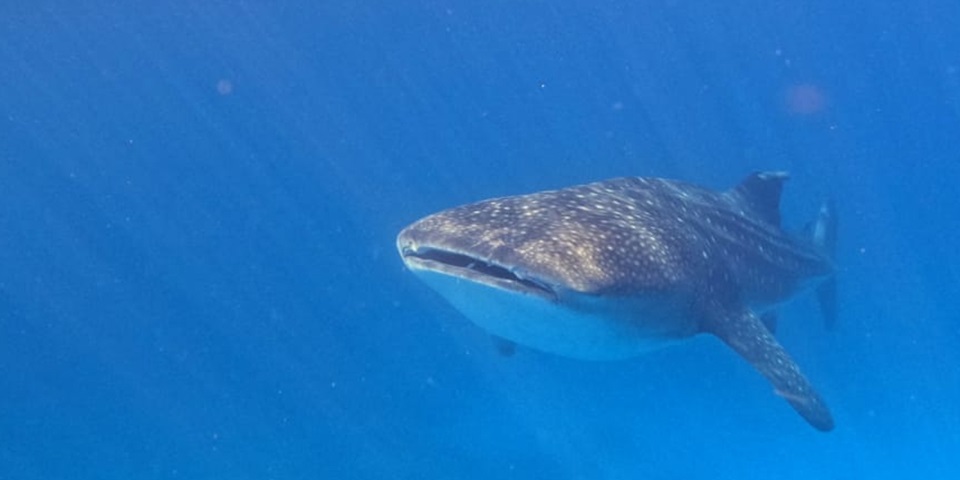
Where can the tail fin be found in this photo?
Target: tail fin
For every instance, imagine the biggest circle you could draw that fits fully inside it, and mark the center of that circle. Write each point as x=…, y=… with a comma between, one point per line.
x=825, y=237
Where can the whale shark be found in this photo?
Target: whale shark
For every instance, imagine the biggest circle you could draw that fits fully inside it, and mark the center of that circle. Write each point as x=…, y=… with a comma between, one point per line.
x=613, y=269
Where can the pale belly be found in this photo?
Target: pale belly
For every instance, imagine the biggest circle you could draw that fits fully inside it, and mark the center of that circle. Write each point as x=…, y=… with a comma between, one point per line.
x=584, y=329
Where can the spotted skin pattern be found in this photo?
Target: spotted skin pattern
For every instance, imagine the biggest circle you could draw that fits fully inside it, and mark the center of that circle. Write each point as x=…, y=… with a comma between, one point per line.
x=719, y=256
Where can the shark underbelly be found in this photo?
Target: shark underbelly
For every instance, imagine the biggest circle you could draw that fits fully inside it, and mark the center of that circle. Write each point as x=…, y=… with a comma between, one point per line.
x=586, y=330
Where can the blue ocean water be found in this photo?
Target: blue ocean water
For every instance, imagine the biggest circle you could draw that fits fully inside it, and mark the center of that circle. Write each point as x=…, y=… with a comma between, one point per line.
x=198, y=205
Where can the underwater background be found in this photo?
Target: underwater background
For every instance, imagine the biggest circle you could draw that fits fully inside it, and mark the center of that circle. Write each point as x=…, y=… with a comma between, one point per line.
x=199, y=203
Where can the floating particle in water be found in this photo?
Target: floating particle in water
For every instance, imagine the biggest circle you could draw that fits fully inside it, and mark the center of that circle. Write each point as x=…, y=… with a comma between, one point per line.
x=805, y=99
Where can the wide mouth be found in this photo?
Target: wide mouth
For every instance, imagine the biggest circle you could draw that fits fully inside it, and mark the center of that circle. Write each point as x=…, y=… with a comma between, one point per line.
x=475, y=269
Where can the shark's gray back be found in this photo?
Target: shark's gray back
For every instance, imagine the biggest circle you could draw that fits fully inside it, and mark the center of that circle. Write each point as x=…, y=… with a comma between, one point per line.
x=634, y=234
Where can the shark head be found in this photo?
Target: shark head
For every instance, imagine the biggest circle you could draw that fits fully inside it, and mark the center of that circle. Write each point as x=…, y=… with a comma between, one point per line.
x=613, y=269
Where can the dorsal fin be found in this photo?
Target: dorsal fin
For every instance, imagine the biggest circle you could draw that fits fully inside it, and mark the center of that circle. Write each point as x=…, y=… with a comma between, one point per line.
x=760, y=191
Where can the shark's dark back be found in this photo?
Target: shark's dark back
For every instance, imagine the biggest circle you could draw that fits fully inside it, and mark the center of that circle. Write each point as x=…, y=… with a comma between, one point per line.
x=739, y=237
x=625, y=235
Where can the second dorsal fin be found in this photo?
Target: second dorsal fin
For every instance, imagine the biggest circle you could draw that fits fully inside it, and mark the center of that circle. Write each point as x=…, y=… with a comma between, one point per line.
x=760, y=192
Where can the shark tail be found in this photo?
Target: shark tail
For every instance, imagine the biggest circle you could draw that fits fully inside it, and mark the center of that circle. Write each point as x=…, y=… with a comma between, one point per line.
x=825, y=237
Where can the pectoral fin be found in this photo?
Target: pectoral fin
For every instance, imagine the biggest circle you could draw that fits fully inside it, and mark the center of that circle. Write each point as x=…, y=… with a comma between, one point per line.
x=745, y=333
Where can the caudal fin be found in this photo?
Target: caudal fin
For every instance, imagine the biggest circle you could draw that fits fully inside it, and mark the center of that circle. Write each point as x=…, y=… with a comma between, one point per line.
x=825, y=237
x=827, y=297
